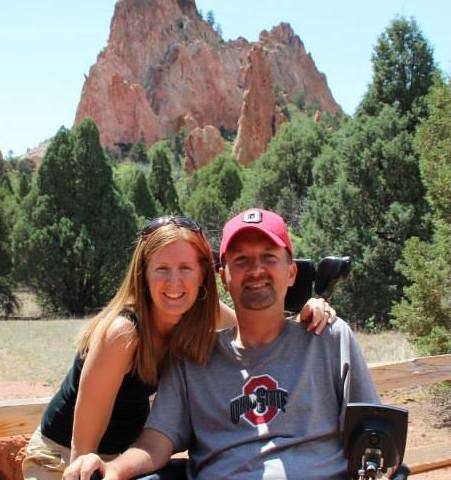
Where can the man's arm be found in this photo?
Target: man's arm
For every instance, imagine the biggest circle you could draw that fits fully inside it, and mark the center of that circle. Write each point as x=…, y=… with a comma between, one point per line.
x=149, y=453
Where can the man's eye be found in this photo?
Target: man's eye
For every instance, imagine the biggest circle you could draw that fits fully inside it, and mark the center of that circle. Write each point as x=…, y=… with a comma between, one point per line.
x=240, y=260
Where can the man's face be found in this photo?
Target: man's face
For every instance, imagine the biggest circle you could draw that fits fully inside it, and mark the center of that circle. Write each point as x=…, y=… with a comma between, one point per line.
x=257, y=272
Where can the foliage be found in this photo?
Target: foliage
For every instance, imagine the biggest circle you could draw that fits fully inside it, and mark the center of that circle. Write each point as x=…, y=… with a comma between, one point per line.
x=279, y=179
x=367, y=197
x=138, y=154
x=132, y=183
x=403, y=65
x=365, y=201
x=8, y=301
x=177, y=145
x=73, y=232
x=211, y=192
x=210, y=18
x=425, y=312
x=160, y=180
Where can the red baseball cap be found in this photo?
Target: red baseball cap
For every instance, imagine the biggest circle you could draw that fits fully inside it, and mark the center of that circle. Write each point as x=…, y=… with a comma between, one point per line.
x=269, y=223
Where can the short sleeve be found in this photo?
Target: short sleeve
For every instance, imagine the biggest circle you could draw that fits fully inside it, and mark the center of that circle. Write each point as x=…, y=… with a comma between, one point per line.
x=169, y=414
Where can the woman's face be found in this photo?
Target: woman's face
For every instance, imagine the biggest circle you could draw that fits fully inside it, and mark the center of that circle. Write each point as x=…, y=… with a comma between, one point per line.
x=173, y=276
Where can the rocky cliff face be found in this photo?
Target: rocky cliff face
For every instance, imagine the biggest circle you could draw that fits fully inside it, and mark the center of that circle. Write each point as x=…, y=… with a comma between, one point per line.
x=163, y=62
x=257, y=118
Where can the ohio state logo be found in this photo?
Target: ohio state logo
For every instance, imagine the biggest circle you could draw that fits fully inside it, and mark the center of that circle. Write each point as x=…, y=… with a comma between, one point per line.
x=260, y=402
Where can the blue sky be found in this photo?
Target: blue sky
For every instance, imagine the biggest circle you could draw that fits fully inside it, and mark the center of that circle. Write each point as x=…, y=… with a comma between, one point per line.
x=46, y=47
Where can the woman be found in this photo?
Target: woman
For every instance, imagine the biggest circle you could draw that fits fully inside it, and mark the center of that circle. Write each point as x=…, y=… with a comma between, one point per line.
x=167, y=305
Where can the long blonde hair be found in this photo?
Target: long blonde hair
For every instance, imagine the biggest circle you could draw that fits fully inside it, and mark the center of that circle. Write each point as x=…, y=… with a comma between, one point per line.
x=193, y=336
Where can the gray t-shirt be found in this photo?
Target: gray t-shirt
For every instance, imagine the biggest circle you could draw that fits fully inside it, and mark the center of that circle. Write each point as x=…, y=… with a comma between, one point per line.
x=272, y=412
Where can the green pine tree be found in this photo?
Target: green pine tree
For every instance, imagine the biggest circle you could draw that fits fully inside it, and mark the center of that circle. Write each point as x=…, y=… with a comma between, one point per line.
x=132, y=183
x=425, y=312
x=8, y=301
x=366, y=200
x=72, y=238
x=211, y=192
x=138, y=153
x=403, y=66
x=279, y=179
x=160, y=180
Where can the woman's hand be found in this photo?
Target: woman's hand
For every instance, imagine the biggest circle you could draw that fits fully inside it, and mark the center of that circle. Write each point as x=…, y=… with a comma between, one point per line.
x=84, y=467
x=316, y=314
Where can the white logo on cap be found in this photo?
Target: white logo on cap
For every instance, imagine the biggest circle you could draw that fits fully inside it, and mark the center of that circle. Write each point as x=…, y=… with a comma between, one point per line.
x=252, y=216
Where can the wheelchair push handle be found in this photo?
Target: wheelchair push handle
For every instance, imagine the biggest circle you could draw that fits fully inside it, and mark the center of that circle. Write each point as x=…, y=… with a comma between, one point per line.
x=322, y=279
x=330, y=270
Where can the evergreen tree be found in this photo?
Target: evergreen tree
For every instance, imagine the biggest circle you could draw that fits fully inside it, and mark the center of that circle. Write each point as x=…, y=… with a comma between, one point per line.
x=132, y=183
x=211, y=18
x=8, y=301
x=403, y=66
x=425, y=312
x=367, y=197
x=138, y=153
x=279, y=179
x=160, y=180
x=72, y=237
x=366, y=200
x=211, y=193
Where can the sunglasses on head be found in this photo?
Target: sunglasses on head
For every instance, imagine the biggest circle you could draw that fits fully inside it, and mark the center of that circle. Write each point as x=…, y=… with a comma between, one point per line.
x=178, y=221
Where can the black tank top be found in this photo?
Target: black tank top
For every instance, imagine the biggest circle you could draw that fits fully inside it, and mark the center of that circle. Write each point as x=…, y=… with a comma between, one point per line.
x=127, y=419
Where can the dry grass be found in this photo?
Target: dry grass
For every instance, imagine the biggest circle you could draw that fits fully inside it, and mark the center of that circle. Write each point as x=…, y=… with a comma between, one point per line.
x=37, y=351
x=41, y=351
x=385, y=347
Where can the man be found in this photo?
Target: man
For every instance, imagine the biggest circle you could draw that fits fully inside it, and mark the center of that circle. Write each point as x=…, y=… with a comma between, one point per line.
x=270, y=403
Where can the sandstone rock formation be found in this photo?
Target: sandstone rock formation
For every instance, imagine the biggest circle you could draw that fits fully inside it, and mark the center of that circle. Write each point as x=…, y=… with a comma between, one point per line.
x=256, y=122
x=189, y=122
x=294, y=70
x=36, y=154
x=201, y=146
x=12, y=452
x=163, y=61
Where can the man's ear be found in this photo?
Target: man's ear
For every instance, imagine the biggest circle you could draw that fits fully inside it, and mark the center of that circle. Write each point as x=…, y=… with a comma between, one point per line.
x=293, y=273
x=223, y=279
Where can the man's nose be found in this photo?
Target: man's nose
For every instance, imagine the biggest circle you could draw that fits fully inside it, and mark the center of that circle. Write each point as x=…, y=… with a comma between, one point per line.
x=256, y=265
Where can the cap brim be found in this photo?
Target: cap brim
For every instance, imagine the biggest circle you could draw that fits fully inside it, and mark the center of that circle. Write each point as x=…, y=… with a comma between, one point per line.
x=272, y=236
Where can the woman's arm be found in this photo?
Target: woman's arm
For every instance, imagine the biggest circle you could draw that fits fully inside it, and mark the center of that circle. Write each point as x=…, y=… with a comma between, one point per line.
x=151, y=452
x=227, y=317
x=108, y=360
x=315, y=314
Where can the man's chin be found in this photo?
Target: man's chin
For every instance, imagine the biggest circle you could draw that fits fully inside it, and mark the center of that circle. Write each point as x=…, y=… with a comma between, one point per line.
x=256, y=302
